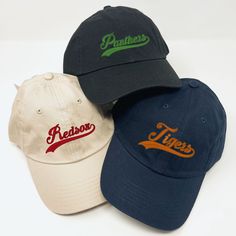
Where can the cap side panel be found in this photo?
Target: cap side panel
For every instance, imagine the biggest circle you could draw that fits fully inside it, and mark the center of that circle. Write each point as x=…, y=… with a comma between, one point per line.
x=15, y=123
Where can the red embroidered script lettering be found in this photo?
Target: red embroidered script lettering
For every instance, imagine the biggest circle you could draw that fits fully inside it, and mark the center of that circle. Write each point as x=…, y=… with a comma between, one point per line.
x=74, y=133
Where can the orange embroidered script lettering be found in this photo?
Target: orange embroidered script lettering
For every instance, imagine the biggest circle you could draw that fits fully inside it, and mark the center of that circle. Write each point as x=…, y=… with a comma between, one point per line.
x=164, y=141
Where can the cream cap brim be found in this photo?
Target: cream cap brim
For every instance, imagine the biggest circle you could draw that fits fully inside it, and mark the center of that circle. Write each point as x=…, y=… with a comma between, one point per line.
x=70, y=188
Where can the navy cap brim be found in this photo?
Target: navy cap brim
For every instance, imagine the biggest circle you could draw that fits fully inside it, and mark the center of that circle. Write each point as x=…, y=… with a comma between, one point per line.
x=156, y=200
x=106, y=85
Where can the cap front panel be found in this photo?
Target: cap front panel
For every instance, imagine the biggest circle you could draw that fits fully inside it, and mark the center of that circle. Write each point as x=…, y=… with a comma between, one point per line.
x=116, y=36
x=171, y=133
x=60, y=124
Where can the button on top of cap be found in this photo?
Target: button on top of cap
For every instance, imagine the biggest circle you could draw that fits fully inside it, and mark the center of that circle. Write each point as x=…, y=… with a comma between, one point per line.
x=194, y=84
x=48, y=76
x=106, y=7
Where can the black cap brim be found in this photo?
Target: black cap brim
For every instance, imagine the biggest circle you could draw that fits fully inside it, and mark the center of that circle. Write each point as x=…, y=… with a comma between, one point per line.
x=106, y=85
x=154, y=199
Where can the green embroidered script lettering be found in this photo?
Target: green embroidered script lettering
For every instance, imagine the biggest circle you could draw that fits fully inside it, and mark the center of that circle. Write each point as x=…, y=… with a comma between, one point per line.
x=111, y=45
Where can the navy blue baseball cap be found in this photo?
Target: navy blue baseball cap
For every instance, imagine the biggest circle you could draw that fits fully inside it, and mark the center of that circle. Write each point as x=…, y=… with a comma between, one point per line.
x=165, y=141
x=117, y=51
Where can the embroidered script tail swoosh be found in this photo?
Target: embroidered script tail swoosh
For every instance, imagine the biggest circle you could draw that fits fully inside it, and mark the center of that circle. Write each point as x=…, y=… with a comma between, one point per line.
x=151, y=144
x=54, y=146
x=110, y=51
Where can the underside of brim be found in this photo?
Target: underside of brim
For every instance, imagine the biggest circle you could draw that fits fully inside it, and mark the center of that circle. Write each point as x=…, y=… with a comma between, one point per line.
x=70, y=188
x=156, y=200
x=106, y=85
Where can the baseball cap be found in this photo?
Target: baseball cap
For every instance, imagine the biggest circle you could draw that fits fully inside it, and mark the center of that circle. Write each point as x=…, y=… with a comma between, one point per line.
x=117, y=51
x=65, y=139
x=164, y=143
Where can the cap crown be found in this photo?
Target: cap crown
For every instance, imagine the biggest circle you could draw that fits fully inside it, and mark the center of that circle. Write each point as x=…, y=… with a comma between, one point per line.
x=53, y=122
x=178, y=133
x=113, y=36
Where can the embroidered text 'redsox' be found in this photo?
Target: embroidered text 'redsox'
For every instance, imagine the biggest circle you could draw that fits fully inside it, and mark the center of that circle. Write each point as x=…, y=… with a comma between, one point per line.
x=67, y=136
x=111, y=45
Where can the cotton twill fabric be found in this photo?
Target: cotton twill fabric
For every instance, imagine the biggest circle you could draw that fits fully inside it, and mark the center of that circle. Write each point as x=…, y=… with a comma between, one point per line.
x=154, y=199
x=72, y=187
x=106, y=85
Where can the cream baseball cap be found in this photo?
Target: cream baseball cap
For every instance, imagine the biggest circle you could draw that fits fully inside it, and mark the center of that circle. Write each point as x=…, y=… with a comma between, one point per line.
x=65, y=139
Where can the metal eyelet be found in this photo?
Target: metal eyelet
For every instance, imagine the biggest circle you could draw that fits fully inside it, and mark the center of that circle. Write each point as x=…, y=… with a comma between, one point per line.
x=165, y=106
x=39, y=111
x=79, y=100
x=203, y=120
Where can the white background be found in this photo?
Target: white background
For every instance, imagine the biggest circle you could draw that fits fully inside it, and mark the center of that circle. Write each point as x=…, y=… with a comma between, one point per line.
x=201, y=36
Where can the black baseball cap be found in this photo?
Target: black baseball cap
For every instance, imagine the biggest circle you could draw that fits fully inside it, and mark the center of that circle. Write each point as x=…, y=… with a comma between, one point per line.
x=117, y=51
x=164, y=143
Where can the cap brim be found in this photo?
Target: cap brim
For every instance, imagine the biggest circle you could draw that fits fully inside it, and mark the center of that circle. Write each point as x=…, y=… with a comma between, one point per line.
x=156, y=200
x=70, y=188
x=106, y=85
